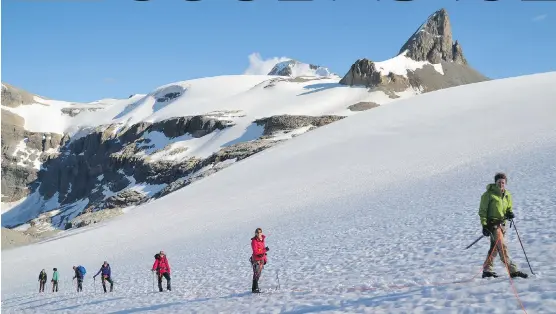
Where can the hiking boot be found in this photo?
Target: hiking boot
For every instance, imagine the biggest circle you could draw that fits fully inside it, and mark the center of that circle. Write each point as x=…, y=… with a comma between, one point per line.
x=518, y=274
x=489, y=274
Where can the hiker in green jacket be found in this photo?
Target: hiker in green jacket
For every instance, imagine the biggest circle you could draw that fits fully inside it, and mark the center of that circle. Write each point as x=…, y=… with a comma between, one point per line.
x=495, y=208
x=55, y=280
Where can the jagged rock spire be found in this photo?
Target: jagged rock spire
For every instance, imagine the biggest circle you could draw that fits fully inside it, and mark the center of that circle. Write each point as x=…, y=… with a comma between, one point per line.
x=433, y=41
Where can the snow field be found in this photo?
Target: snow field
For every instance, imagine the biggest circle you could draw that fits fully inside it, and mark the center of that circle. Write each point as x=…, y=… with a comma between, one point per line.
x=381, y=199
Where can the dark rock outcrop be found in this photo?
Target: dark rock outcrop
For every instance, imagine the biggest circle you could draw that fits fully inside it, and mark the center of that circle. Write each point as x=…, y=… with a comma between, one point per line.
x=124, y=198
x=197, y=126
x=362, y=106
x=291, y=122
x=364, y=72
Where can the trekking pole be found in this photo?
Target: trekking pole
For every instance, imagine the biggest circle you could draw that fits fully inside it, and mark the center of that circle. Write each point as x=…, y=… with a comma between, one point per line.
x=278, y=278
x=515, y=228
x=470, y=245
x=153, y=281
x=95, y=284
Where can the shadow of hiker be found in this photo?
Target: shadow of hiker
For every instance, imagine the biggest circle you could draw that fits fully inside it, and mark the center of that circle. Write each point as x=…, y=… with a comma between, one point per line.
x=147, y=308
x=90, y=303
x=369, y=302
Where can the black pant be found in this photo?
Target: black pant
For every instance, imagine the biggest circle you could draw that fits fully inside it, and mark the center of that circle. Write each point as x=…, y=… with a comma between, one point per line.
x=54, y=285
x=167, y=276
x=257, y=270
x=79, y=284
x=41, y=285
x=104, y=280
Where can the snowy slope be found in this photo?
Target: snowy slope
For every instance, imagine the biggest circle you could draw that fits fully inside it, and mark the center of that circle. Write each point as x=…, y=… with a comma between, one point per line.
x=239, y=99
x=368, y=214
x=400, y=64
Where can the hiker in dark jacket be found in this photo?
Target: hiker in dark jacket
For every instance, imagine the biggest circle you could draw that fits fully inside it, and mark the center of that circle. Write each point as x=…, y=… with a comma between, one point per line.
x=42, y=280
x=79, y=277
x=105, y=270
x=162, y=268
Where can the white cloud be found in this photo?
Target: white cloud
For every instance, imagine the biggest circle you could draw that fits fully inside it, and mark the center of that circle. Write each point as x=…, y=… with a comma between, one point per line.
x=258, y=66
x=540, y=17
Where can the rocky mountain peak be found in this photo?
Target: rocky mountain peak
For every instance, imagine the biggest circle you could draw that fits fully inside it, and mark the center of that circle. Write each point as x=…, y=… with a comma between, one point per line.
x=433, y=42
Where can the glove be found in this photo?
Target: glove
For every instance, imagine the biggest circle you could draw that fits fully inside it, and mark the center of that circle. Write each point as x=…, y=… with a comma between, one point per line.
x=267, y=249
x=486, y=233
x=95, y=276
x=510, y=215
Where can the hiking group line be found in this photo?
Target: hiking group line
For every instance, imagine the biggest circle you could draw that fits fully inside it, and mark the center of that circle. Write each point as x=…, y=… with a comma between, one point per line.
x=494, y=210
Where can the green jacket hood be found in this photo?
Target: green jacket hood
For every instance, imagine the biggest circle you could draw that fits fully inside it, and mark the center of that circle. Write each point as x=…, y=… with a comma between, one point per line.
x=493, y=188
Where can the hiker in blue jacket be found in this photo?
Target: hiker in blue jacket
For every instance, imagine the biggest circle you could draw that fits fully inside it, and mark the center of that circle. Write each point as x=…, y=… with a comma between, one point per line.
x=105, y=270
x=79, y=274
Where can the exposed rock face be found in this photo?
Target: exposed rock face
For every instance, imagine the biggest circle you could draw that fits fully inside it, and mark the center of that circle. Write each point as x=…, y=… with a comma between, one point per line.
x=103, y=158
x=14, y=97
x=362, y=106
x=197, y=126
x=428, y=79
x=124, y=198
x=364, y=72
x=22, y=154
x=433, y=41
x=290, y=122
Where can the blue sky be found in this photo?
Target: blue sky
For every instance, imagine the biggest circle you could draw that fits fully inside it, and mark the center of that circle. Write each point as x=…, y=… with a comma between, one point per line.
x=88, y=50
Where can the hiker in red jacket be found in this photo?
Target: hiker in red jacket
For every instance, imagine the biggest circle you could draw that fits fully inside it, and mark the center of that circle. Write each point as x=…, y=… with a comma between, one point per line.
x=162, y=268
x=258, y=258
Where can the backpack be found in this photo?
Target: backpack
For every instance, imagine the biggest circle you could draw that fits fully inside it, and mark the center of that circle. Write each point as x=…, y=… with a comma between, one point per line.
x=157, y=256
x=82, y=270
